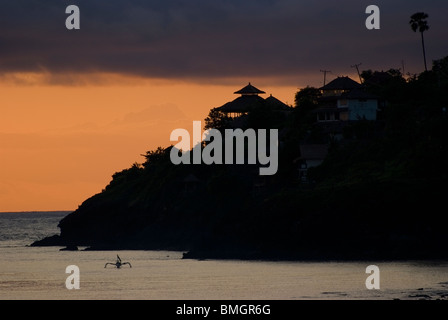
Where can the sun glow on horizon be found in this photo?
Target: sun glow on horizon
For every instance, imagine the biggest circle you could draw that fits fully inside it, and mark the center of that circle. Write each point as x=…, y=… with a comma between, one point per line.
x=60, y=142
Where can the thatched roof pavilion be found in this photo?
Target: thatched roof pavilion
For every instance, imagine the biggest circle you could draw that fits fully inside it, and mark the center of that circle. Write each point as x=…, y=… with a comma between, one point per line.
x=250, y=100
x=249, y=90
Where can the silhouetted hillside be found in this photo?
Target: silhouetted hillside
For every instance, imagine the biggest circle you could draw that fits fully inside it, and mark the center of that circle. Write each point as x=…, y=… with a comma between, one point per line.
x=379, y=193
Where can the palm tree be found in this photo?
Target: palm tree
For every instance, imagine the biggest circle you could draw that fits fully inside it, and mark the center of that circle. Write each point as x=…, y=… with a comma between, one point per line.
x=419, y=23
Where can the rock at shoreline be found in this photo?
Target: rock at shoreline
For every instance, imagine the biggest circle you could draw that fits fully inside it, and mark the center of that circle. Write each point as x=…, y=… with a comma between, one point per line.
x=52, y=241
x=69, y=248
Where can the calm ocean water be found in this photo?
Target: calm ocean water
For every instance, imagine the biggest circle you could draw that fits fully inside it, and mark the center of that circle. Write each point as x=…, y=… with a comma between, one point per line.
x=39, y=273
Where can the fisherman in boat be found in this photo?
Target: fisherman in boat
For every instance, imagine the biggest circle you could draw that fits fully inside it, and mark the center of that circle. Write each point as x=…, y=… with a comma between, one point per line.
x=118, y=263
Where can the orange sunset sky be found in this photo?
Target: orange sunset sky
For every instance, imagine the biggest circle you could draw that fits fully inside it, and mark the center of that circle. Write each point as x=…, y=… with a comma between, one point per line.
x=60, y=144
x=76, y=106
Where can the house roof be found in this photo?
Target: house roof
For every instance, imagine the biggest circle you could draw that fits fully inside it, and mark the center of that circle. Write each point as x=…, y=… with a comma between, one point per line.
x=242, y=104
x=247, y=103
x=249, y=90
x=250, y=100
x=342, y=83
x=275, y=104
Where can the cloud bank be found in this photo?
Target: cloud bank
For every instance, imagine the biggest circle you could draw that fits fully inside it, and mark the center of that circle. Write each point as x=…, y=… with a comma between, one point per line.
x=203, y=39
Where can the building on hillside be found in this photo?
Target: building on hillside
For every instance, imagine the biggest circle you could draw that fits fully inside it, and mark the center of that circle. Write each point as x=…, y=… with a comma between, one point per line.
x=357, y=105
x=339, y=86
x=250, y=100
x=344, y=99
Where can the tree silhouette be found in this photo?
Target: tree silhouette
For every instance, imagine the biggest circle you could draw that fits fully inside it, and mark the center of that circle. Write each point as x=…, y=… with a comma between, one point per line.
x=217, y=120
x=418, y=22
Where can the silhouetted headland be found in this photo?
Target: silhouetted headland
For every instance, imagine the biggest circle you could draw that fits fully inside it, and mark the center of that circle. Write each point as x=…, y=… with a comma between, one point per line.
x=362, y=175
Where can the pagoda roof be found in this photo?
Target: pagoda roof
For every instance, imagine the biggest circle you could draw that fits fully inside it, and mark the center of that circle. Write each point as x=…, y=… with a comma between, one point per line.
x=342, y=83
x=246, y=103
x=249, y=90
x=276, y=104
x=243, y=104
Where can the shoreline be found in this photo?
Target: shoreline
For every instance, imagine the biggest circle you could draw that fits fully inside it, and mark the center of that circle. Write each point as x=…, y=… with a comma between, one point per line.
x=280, y=256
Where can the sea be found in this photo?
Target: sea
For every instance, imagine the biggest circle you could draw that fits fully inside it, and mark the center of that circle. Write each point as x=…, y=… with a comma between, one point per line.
x=42, y=273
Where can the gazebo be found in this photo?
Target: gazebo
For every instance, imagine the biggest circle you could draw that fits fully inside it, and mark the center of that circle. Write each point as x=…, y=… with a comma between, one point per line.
x=250, y=90
x=250, y=100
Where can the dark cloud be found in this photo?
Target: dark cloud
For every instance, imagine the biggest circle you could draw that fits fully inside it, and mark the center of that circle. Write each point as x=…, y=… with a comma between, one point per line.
x=212, y=39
